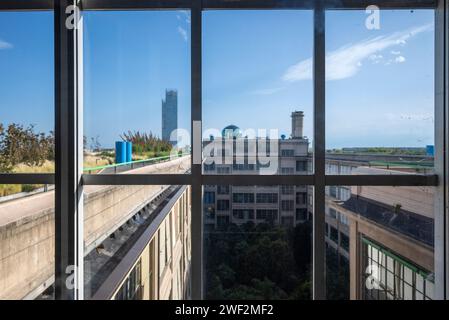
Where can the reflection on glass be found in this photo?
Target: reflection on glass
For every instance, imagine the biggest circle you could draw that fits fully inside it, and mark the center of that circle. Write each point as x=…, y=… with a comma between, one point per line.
x=27, y=92
x=257, y=242
x=390, y=230
x=136, y=90
x=380, y=91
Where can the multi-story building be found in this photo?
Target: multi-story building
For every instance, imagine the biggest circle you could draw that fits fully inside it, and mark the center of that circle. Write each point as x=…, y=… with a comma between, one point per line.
x=169, y=114
x=285, y=205
x=383, y=233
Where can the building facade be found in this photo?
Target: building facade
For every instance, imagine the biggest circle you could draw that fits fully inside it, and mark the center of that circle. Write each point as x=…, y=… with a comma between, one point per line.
x=238, y=154
x=383, y=234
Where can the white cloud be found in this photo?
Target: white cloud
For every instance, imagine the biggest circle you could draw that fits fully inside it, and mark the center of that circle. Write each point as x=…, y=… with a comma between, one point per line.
x=399, y=59
x=183, y=33
x=5, y=45
x=410, y=116
x=376, y=58
x=266, y=92
x=346, y=61
x=395, y=53
x=184, y=15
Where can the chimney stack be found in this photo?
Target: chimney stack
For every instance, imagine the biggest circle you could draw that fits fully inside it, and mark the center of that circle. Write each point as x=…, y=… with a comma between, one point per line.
x=297, y=124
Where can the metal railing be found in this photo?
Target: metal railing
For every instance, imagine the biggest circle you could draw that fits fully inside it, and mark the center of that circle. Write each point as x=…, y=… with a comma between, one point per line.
x=120, y=167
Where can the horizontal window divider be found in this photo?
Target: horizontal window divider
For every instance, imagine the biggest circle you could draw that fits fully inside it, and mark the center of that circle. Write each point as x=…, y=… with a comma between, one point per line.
x=260, y=180
x=219, y=4
x=135, y=4
x=137, y=179
x=382, y=180
x=26, y=5
x=27, y=178
x=327, y=4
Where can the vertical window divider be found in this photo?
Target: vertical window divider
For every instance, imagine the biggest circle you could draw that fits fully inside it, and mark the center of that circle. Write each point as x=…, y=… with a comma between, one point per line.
x=441, y=226
x=196, y=174
x=68, y=251
x=319, y=247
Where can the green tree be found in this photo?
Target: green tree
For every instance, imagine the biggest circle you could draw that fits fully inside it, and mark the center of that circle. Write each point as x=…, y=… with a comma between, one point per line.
x=23, y=145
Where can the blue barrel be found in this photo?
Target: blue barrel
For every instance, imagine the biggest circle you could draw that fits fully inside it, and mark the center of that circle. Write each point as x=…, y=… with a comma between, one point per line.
x=129, y=151
x=120, y=151
x=430, y=150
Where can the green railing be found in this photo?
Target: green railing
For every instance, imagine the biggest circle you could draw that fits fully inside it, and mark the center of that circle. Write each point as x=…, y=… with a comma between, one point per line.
x=424, y=273
x=117, y=165
x=402, y=164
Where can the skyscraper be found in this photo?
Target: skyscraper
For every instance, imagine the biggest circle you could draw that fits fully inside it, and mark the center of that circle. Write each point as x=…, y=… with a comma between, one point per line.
x=169, y=114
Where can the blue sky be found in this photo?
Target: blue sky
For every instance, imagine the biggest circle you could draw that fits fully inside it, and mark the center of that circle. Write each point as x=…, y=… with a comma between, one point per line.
x=256, y=70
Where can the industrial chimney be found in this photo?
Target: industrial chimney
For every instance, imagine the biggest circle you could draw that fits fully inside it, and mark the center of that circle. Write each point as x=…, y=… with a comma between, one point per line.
x=297, y=124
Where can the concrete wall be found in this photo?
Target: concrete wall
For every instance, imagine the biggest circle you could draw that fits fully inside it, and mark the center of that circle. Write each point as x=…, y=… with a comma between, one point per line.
x=26, y=254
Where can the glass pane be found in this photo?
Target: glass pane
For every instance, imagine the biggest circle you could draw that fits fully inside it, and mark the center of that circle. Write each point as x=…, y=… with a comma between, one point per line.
x=380, y=91
x=254, y=247
x=137, y=239
x=391, y=230
x=136, y=91
x=257, y=118
x=27, y=237
x=27, y=92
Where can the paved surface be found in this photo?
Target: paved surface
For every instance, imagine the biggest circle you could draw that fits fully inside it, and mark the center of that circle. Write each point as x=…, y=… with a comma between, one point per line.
x=19, y=209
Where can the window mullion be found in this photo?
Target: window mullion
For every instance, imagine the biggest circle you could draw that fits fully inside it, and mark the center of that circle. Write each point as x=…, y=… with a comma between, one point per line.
x=319, y=248
x=196, y=177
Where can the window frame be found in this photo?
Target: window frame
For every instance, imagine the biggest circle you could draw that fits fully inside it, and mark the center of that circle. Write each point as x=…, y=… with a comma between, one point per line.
x=69, y=179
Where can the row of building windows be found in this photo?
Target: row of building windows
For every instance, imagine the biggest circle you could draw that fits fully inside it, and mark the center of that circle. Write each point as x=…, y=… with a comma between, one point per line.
x=287, y=189
x=342, y=218
x=266, y=214
x=287, y=153
x=243, y=213
x=340, y=193
x=267, y=198
x=223, y=204
x=243, y=197
x=301, y=166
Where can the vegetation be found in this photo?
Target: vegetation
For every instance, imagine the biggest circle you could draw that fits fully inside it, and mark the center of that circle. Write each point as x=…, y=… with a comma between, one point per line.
x=20, y=145
x=26, y=151
x=147, y=144
x=258, y=262
x=97, y=159
x=268, y=262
